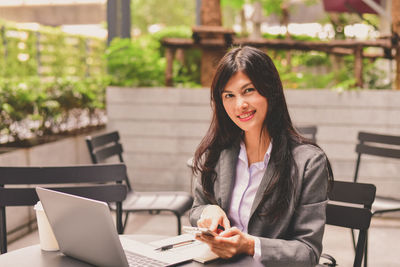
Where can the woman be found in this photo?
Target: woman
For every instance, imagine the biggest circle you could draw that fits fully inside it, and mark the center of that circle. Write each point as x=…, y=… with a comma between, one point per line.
x=259, y=179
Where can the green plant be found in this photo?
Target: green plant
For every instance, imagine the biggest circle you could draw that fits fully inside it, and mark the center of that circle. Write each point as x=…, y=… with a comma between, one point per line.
x=141, y=61
x=31, y=107
x=172, y=13
x=293, y=37
x=187, y=72
x=50, y=82
x=374, y=76
x=135, y=62
x=187, y=64
x=49, y=53
x=17, y=103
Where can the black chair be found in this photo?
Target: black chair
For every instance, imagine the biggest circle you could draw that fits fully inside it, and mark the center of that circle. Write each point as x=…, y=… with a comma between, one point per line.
x=378, y=145
x=106, y=146
x=357, y=215
x=99, y=182
x=309, y=132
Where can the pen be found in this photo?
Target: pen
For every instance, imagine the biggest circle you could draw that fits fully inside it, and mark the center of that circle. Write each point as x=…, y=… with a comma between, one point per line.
x=187, y=242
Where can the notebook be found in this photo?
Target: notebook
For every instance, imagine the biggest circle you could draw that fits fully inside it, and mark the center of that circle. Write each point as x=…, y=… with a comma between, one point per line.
x=85, y=230
x=197, y=250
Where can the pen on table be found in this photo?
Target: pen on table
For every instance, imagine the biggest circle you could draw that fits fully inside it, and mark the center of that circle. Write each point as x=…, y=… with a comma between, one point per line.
x=187, y=242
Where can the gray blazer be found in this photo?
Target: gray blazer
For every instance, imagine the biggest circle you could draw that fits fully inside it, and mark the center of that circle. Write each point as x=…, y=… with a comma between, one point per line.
x=296, y=240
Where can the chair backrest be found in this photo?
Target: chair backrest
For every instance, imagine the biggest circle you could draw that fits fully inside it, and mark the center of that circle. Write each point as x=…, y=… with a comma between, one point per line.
x=379, y=145
x=102, y=147
x=100, y=182
x=357, y=215
x=105, y=146
x=309, y=132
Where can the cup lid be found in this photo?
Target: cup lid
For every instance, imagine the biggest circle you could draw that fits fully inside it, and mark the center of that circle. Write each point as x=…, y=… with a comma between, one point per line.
x=38, y=206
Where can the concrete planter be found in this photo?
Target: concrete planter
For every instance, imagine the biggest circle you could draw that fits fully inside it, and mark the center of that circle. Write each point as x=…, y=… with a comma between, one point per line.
x=161, y=127
x=67, y=151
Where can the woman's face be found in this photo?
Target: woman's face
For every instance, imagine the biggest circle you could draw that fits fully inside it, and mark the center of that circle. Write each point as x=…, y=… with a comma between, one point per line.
x=244, y=105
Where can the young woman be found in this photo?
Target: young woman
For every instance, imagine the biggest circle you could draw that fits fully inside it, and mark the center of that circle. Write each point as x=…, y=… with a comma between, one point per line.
x=258, y=178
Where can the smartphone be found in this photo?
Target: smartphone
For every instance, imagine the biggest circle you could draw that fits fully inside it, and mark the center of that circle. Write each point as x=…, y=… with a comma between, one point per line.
x=198, y=231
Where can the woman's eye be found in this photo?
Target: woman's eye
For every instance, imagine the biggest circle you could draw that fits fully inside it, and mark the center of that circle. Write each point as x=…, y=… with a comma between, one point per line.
x=228, y=95
x=248, y=90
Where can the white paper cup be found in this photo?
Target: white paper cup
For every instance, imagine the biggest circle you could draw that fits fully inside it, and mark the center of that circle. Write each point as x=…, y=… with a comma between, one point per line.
x=48, y=241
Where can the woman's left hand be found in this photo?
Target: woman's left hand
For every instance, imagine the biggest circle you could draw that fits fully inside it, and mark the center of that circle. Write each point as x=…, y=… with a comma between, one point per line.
x=229, y=243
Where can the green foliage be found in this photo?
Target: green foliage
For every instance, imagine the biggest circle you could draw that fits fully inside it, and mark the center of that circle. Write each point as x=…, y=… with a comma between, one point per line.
x=373, y=75
x=38, y=107
x=236, y=4
x=48, y=79
x=147, y=12
x=315, y=70
x=310, y=59
x=271, y=6
x=186, y=71
x=306, y=80
x=293, y=37
x=49, y=53
x=173, y=31
x=304, y=71
x=135, y=62
x=372, y=19
x=141, y=61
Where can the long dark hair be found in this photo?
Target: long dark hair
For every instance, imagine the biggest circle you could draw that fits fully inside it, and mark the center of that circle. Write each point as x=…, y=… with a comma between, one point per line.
x=223, y=132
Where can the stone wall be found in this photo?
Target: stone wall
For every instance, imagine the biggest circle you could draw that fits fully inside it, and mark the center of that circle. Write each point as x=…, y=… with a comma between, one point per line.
x=339, y=117
x=160, y=129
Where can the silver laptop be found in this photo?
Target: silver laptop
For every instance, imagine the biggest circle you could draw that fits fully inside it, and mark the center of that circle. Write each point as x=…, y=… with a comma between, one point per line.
x=85, y=230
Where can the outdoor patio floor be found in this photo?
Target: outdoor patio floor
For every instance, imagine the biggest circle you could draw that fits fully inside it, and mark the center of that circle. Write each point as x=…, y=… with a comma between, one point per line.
x=383, y=237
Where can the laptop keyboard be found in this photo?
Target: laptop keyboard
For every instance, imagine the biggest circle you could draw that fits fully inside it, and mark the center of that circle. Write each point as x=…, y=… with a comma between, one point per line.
x=142, y=261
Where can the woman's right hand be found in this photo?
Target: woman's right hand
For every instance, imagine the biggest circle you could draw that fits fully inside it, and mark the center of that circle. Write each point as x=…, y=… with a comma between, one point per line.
x=211, y=216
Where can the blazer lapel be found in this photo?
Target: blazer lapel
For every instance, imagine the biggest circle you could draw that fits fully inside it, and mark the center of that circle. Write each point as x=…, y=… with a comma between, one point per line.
x=260, y=192
x=228, y=161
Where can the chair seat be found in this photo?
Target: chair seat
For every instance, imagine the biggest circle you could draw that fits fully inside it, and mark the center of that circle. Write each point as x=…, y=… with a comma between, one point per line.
x=175, y=201
x=384, y=204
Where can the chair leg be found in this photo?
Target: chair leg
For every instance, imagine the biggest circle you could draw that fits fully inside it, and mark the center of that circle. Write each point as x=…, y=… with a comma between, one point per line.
x=354, y=239
x=120, y=226
x=366, y=250
x=178, y=217
x=125, y=221
x=3, y=231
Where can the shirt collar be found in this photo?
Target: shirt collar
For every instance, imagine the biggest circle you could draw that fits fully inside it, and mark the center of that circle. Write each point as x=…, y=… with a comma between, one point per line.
x=262, y=164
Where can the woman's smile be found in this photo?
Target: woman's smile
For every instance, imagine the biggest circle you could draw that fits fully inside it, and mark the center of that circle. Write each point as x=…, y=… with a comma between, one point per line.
x=244, y=104
x=247, y=115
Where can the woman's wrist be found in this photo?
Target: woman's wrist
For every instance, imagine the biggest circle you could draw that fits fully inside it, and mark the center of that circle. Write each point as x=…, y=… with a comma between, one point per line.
x=250, y=245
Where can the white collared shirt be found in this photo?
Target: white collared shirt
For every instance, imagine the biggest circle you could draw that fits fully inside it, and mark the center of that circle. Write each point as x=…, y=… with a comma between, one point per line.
x=247, y=181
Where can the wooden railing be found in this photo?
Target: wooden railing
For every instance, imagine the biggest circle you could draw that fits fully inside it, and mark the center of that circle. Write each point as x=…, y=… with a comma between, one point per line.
x=337, y=47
